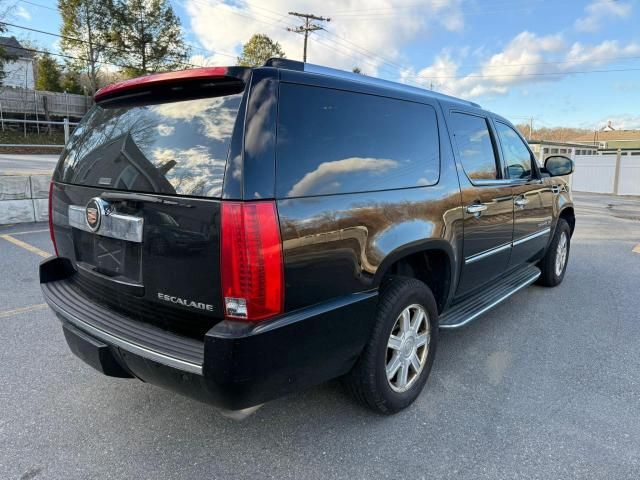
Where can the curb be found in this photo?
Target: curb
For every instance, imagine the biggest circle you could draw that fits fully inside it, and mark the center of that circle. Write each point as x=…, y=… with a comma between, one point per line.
x=24, y=198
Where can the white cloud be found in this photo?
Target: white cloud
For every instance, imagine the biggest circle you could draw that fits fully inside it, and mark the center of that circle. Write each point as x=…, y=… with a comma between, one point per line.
x=358, y=29
x=621, y=122
x=165, y=130
x=601, y=54
x=599, y=11
x=325, y=178
x=527, y=58
x=216, y=116
x=22, y=12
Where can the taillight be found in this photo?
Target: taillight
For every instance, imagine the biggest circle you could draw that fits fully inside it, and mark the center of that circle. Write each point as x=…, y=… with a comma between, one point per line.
x=53, y=236
x=251, y=260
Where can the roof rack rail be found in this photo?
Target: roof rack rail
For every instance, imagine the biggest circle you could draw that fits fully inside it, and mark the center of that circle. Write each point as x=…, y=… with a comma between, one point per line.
x=334, y=72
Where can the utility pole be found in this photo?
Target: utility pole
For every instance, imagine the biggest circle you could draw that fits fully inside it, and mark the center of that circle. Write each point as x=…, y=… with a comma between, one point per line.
x=530, y=127
x=307, y=28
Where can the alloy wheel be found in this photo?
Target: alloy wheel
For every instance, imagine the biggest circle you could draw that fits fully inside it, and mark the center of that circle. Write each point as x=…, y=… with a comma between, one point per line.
x=561, y=253
x=407, y=348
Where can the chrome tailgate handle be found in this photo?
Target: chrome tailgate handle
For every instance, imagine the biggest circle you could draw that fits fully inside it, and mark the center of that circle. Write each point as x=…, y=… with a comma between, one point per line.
x=113, y=224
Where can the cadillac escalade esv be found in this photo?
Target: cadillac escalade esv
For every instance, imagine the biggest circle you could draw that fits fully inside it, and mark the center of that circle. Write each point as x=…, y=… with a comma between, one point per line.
x=236, y=234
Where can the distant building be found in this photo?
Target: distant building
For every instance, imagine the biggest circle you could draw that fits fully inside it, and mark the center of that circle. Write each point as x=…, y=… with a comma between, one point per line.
x=546, y=148
x=18, y=72
x=608, y=141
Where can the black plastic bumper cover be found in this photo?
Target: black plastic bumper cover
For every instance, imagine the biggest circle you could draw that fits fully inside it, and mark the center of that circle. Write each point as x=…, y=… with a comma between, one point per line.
x=238, y=365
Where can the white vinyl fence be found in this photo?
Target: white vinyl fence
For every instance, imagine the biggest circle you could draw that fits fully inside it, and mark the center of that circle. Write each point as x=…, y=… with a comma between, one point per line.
x=629, y=180
x=614, y=174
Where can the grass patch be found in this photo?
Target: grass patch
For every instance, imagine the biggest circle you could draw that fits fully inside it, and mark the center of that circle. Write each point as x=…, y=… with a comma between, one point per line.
x=32, y=138
x=12, y=136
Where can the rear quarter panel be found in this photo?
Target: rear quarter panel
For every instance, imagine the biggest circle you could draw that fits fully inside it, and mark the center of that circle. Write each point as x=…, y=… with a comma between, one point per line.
x=334, y=245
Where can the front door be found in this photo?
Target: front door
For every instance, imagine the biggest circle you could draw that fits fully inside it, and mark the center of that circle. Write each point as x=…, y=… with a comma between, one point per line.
x=532, y=198
x=487, y=201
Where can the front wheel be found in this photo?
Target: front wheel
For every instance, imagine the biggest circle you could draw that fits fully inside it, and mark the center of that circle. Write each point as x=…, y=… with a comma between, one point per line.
x=554, y=262
x=394, y=366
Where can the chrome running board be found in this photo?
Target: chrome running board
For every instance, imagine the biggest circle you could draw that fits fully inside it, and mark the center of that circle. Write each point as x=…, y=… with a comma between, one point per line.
x=467, y=310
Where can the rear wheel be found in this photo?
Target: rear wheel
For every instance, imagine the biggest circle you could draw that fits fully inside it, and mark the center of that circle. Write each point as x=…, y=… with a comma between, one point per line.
x=554, y=263
x=394, y=366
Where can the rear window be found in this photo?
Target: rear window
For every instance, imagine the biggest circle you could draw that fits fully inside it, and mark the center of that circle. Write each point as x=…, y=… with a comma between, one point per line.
x=332, y=141
x=171, y=148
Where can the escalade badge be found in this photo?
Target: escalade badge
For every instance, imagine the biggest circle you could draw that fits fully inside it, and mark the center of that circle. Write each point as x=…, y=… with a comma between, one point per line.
x=185, y=302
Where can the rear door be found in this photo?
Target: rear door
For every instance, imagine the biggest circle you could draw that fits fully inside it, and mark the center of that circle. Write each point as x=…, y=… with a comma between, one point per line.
x=486, y=198
x=532, y=198
x=136, y=202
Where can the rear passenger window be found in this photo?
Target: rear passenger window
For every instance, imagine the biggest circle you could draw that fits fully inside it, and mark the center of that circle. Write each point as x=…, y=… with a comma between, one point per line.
x=332, y=141
x=474, y=146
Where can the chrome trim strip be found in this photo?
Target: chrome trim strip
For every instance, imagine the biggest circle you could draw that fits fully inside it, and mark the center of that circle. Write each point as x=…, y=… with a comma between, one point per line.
x=487, y=253
x=532, y=236
x=124, y=344
x=114, y=225
x=485, y=309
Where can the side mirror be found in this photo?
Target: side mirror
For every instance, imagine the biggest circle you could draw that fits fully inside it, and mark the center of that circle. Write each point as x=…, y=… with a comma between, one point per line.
x=558, y=165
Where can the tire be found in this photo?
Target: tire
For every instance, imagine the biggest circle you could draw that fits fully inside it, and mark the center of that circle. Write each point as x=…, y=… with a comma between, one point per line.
x=553, y=273
x=368, y=381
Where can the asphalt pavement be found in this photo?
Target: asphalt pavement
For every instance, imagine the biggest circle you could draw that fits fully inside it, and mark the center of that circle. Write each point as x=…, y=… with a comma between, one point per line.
x=547, y=385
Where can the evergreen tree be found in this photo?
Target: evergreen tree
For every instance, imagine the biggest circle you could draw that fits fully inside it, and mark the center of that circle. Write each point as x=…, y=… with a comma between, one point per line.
x=148, y=37
x=85, y=35
x=258, y=50
x=48, y=74
x=70, y=82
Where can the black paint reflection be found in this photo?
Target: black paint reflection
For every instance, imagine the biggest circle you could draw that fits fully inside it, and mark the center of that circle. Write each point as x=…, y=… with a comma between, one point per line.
x=330, y=141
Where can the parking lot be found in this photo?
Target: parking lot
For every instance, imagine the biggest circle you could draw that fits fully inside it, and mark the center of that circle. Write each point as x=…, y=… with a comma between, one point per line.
x=547, y=385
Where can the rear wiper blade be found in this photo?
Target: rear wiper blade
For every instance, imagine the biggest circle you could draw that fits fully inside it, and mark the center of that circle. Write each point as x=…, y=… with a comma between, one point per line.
x=135, y=197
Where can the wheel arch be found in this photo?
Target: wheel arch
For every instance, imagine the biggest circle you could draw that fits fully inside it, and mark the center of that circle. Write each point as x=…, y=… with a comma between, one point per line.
x=568, y=214
x=432, y=262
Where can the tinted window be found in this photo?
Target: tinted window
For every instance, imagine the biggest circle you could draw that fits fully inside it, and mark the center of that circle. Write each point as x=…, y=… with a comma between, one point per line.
x=172, y=148
x=474, y=146
x=331, y=141
x=516, y=155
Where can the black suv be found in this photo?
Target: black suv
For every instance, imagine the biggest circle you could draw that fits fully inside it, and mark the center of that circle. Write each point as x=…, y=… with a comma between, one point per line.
x=236, y=234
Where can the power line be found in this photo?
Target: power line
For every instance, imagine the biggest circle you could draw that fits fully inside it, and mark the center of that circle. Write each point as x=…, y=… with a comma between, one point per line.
x=307, y=28
x=81, y=41
x=62, y=55
x=38, y=5
x=542, y=74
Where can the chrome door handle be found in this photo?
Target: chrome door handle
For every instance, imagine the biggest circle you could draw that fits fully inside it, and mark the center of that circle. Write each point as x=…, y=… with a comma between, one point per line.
x=521, y=202
x=476, y=208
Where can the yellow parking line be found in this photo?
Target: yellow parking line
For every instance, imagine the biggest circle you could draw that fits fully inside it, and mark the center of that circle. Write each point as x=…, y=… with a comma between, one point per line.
x=26, y=232
x=16, y=311
x=636, y=249
x=26, y=246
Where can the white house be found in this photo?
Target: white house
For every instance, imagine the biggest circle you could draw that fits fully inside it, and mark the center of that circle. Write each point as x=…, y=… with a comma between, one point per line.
x=18, y=72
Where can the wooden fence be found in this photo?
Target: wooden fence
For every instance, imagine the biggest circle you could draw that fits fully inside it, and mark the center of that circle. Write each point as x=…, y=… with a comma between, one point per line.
x=35, y=103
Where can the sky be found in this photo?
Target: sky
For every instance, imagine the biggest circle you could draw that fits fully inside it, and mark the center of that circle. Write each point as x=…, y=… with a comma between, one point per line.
x=559, y=62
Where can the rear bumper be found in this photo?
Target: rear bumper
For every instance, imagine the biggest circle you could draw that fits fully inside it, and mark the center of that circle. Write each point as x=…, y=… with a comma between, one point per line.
x=236, y=366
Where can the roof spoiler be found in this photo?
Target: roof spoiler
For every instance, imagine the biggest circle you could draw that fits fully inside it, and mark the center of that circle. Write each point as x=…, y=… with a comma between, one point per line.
x=168, y=79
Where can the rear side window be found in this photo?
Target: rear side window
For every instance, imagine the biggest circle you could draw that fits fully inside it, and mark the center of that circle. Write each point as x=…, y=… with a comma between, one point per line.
x=171, y=148
x=332, y=141
x=475, y=147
